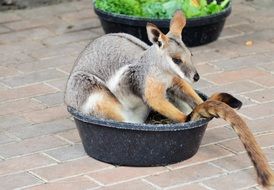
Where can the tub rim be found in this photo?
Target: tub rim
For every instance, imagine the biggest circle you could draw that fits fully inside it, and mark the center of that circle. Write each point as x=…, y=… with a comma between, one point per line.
x=136, y=126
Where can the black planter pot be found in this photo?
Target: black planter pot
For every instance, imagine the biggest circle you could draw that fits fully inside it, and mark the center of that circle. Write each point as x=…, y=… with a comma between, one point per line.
x=132, y=144
x=198, y=31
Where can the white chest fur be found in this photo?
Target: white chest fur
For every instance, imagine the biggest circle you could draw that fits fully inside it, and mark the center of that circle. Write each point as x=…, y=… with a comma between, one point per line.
x=134, y=109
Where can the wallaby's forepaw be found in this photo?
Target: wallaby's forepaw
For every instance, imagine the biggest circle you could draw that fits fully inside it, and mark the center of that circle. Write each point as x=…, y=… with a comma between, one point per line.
x=266, y=179
x=228, y=99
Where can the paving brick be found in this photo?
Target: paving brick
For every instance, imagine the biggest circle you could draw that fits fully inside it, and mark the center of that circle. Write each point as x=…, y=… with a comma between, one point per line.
x=5, y=139
x=267, y=80
x=230, y=32
x=51, y=99
x=19, y=106
x=54, y=62
x=15, y=58
x=119, y=174
x=245, y=100
x=235, y=20
x=261, y=125
x=24, y=92
x=207, y=57
x=202, y=84
x=268, y=67
x=65, y=68
x=81, y=6
x=4, y=29
x=259, y=46
x=233, y=88
x=46, y=11
x=44, y=128
x=68, y=153
x=269, y=153
x=59, y=83
x=31, y=78
x=184, y=175
x=30, y=146
x=20, y=47
x=245, y=28
x=4, y=71
x=79, y=25
x=244, y=62
x=218, y=134
x=236, y=75
x=233, y=181
x=215, y=122
x=236, y=162
x=224, y=48
x=99, y=31
x=70, y=37
x=260, y=38
x=17, y=181
x=259, y=111
x=34, y=34
x=190, y=187
x=241, y=161
x=9, y=17
x=237, y=146
x=3, y=87
x=57, y=51
x=206, y=68
x=8, y=122
x=204, y=154
x=71, y=168
x=78, y=15
x=71, y=135
x=24, y=163
x=23, y=24
x=84, y=24
x=262, y=95
x=132, y=185
x=48, y=114
x=74, y=183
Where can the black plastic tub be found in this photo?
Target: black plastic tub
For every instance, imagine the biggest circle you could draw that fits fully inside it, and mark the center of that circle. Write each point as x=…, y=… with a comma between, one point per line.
x=198, y=31
x=131, y=144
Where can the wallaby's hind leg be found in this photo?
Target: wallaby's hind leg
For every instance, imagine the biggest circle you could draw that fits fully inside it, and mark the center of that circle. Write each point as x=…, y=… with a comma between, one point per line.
x=88, y=94
x=102, y=103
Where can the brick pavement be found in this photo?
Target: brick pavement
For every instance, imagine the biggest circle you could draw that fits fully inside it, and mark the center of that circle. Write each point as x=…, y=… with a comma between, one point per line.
x=39, y=145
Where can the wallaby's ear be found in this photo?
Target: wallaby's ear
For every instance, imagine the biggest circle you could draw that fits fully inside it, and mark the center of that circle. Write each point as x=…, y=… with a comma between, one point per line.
x=155, y=36
x=177, y=23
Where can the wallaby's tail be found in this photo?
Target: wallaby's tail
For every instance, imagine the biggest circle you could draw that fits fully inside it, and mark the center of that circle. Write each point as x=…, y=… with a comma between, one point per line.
x=213, y=108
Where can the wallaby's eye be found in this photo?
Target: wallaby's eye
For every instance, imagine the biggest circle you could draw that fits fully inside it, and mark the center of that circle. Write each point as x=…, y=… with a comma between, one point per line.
x=176, y=61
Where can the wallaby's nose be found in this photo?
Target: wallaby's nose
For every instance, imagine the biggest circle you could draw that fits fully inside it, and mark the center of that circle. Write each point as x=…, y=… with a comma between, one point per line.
x=196, y=77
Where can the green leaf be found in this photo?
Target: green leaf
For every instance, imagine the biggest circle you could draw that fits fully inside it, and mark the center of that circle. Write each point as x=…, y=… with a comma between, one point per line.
x=171, y=6
x=160, y=8
x=224, y=3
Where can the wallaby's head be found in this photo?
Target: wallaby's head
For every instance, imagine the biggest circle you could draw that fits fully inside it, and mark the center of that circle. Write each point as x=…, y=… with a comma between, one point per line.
x=176, y=56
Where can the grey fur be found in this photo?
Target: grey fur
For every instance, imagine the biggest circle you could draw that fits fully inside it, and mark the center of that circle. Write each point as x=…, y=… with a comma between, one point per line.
x=98, y=62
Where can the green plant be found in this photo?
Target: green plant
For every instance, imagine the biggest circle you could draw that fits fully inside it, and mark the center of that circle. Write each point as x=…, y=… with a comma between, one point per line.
x=161, y=9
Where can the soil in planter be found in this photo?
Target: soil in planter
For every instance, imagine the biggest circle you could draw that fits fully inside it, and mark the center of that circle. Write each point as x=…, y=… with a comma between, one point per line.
x=156, y=118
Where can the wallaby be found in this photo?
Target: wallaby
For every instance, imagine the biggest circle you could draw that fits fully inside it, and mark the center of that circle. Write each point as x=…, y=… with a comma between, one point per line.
x=119, y=77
